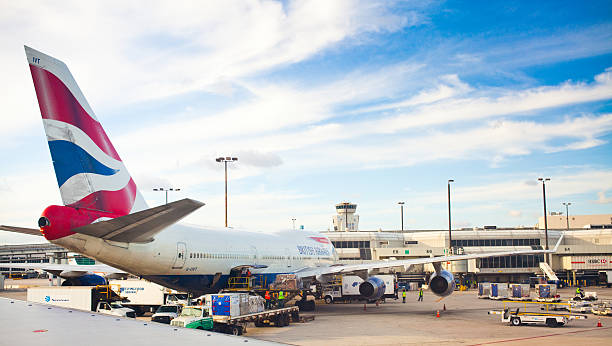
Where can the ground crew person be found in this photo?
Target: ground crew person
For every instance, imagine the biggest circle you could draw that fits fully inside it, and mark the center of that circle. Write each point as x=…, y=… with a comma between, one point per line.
x=579, y=292
x=420, y=295
x=281, y=299
x=404, y=296
x=267, y=297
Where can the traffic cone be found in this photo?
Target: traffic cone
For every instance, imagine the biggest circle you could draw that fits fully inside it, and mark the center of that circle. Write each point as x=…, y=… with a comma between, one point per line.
x=438, y=313
x=444, y=307
x=599, y=322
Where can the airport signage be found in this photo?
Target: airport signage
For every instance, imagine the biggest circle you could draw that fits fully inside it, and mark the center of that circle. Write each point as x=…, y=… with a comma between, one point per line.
x=587, y=262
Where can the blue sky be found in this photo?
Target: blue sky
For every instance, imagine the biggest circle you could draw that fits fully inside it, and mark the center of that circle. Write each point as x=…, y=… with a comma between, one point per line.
x=326, y=101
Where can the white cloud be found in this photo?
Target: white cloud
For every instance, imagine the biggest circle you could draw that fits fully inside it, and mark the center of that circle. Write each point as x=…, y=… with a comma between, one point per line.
x=602, y=199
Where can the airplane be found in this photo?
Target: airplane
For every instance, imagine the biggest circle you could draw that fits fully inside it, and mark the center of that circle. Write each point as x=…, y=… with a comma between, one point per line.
x=105, y=217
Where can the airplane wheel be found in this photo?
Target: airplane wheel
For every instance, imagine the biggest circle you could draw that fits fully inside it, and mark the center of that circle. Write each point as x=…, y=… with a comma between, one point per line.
x=515, y=321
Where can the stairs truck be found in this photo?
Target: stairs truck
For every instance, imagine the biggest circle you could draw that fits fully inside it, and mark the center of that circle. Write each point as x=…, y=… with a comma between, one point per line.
x=99, y=299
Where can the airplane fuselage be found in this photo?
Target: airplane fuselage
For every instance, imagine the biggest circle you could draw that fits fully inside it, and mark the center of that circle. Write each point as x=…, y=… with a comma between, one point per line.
x=199, y=260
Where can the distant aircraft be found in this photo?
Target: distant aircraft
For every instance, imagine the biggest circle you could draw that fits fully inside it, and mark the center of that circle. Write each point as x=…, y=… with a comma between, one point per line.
x=105, y=217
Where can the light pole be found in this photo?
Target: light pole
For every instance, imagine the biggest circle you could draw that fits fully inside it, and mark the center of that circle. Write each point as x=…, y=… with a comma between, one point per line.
x=166, y=191
x=544, y=180
x=293, y=219
x=402, y=208
x=567, y=213
x=450, y=237
x=225, y=160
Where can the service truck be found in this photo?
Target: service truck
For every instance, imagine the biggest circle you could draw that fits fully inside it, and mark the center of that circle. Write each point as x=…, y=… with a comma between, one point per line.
x=347, y=288
x=145, y=296
x=518, y=318
x=89, y=298
x=229, y=313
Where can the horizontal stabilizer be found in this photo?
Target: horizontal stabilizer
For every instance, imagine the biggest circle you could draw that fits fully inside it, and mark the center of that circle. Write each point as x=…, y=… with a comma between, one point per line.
x=142, y=226
x=30, y=231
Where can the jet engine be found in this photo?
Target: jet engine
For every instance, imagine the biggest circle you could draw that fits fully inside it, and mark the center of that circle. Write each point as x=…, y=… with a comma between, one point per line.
x=373, y=288
x=442, y=284
x=85, y=280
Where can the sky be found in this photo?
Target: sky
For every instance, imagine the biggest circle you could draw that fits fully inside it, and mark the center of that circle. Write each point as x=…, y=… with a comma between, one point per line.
x=372, y=102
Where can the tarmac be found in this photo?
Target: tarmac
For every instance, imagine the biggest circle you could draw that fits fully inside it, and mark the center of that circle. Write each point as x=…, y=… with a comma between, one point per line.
x=465, y=321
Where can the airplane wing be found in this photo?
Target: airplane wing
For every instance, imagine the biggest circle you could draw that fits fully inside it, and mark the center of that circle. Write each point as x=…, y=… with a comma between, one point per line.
x=405, y=264
x=34, y=324
x=30, y=231
x=66, y=270
x=142, y=226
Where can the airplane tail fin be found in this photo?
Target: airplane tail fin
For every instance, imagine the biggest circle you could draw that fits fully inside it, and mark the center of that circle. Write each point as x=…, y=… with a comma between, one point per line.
x=89, y=172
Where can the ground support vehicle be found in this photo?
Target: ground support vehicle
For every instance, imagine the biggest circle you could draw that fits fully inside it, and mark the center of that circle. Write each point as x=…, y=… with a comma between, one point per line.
x=199, y=317
x=237, y=325
x=581, y=306
x=511, y=313
x=602, y=309
x=346, y=288
x=166, y=313
x=144, y=296
x=547, y=293
x=499, y=290
x=100, y=299
x=519, y=292
x=517, y=318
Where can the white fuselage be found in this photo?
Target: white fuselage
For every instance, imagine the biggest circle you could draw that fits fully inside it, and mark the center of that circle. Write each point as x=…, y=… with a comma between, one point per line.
x=188, y=258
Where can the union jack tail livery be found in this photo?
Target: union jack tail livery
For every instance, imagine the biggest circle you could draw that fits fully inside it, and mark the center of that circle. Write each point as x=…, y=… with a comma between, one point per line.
x=93, y=180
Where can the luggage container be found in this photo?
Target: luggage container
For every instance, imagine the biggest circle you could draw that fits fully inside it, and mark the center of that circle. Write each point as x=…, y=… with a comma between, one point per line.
x=499, y=291
x=547, y=293
x=519, y=292
x=484, y=290
x=230, y=304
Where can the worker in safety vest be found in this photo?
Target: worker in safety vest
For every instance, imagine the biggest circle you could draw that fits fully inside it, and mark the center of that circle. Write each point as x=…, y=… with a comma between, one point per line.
x=579, y=292
x=281, y=299
x=420, y=294
x=404, y=296
x=267, y=297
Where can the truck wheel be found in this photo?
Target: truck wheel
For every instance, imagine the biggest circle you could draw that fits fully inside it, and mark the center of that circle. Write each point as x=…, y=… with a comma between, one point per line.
x=515, y=321
x=236, y=330
x=278, y=321
x=287, y=319
x=295, y=316
x=551, y=322
x=328, y=300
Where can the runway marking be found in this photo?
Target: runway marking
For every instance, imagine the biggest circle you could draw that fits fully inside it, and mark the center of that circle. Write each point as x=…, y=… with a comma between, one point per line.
x=540, y=336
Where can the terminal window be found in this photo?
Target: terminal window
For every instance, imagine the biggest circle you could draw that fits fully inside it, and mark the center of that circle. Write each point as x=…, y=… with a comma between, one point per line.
x=496, y=242
x=516, y=261
x=351, y=244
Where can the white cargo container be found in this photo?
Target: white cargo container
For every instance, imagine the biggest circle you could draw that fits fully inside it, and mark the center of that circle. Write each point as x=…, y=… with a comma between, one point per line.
x=519, y=292
x=498, y=291
x=350, y=285
x=86, y=298
x=143, y=295
x=75, y=297
x=390, y=282
x=547, y=293
x=229, y=304
x=484, y=290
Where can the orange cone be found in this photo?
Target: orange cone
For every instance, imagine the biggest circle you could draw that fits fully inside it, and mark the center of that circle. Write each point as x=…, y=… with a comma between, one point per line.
x=438, y=313
x=599, y=322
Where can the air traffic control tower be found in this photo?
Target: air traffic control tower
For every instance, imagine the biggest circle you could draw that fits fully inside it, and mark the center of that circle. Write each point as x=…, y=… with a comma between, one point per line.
x=346, y=220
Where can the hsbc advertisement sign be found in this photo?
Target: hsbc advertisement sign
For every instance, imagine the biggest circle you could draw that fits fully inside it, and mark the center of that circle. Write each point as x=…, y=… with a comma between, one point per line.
x=588, y=262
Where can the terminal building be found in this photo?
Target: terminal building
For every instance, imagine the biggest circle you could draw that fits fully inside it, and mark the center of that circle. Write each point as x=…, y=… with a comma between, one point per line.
x=584, y=250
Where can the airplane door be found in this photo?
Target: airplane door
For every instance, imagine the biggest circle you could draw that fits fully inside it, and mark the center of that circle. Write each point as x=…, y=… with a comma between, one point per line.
x=179, y=262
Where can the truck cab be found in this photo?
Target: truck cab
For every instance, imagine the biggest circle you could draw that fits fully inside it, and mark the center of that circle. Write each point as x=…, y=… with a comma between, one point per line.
x=195, y=317
x=115, y=309
x=166, y=313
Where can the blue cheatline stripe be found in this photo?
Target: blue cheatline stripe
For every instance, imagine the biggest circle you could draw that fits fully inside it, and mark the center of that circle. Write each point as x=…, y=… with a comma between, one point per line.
x=70, y=159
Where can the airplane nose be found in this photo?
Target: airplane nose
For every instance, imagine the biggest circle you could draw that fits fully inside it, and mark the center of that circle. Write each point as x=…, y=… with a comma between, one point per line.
x=43, y=222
